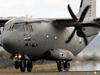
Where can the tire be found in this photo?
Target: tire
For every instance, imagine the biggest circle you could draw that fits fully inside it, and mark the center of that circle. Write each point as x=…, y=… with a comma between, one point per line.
x=22, y=66
x=29, y=65
x=17, y=64
x=60, y=66
x=67, y=66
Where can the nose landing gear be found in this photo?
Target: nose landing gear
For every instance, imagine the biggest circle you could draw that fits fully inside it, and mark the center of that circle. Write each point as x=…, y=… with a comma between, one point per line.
x=22, y=63
x=29, y=65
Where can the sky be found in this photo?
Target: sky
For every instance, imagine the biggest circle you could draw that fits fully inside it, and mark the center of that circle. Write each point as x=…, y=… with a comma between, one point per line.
x=40, y=8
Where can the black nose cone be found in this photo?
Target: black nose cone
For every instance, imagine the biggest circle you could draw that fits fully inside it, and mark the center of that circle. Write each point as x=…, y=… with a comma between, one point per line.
x=8, y=45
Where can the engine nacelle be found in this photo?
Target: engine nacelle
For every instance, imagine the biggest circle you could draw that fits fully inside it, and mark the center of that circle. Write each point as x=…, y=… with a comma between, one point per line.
x=61, y=54
x=90, y=31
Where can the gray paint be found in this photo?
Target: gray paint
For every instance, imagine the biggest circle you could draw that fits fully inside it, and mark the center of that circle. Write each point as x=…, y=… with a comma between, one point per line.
x=45, y=35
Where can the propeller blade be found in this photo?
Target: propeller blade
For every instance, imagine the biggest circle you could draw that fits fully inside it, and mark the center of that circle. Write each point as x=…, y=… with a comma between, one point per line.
x=71, y=36
x=81, y=3
x=78, y=24
x=84, y=13
x=84, y=37
x=85, y=40
x=71, y=13
x=90, y=25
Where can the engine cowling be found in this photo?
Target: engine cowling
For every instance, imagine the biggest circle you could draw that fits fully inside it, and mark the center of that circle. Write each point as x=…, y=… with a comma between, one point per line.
x=90, y=31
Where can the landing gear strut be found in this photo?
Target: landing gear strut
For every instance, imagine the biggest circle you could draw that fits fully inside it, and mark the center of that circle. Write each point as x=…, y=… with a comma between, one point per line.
x=63, y=65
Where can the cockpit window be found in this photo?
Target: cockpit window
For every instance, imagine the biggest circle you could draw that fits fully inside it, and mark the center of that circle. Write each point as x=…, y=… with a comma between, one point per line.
x=29, y=28
x=18, y=27
x=22, y=27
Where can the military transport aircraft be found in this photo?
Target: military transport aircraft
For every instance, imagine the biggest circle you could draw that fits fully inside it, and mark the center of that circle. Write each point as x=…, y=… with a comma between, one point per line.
x=57, y=40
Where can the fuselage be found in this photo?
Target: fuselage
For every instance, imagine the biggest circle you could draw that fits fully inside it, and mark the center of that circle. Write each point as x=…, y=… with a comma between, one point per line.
x=34, y=39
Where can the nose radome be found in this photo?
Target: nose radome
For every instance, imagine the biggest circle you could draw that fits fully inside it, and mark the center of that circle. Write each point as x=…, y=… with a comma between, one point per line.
x=8, y=43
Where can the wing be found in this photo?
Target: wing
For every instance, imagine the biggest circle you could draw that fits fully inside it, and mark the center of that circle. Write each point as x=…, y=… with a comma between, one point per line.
x=62, y=23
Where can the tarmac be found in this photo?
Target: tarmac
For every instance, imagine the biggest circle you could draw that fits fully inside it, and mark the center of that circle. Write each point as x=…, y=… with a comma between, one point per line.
x=57, y=73
x=77, y=68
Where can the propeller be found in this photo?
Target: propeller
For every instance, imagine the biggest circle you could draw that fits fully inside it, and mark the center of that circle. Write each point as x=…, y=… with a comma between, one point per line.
x=79, y=25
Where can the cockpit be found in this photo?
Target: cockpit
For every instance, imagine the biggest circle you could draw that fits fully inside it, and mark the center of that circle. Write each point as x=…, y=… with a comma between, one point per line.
x=17, y=27
x=20, y=27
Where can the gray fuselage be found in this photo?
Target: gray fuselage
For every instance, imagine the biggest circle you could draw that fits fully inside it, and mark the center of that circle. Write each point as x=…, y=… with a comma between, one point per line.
x=34, y=39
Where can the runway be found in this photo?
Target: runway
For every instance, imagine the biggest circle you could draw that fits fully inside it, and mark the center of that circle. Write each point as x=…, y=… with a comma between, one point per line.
x=69, y=73
x=77, y=68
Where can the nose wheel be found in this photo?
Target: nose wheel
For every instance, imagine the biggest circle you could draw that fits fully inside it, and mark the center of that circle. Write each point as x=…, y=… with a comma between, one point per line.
x=63, y=65
x=23, y=65
x=29, y=65
x=17, y=64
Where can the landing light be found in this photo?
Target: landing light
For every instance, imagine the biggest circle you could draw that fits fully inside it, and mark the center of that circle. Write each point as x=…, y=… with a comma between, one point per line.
x=16, y=56
x=19, y=56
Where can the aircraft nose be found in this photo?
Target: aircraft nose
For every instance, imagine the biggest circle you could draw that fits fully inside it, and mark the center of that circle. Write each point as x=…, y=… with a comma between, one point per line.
x=7, y=43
